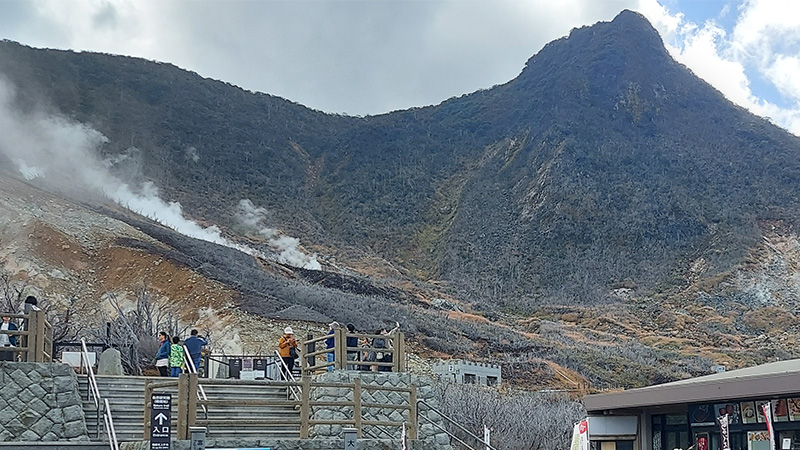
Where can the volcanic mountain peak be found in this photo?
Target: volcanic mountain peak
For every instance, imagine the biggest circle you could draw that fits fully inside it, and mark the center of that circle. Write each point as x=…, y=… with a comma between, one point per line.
x=608, y=55
x=601, y=178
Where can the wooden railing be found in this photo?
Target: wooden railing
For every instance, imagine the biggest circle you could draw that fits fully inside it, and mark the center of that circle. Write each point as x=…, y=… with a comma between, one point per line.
x=35, y=337
x=188, y=404
x=314, y=351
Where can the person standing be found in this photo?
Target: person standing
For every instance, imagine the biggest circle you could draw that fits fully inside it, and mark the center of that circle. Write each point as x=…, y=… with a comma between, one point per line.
x=330, y=343
x=162, y=356
x=175, y=357
x=287, y=347
x=386, y=342
x=194, y=344
x=8, y=340
x=352, y=343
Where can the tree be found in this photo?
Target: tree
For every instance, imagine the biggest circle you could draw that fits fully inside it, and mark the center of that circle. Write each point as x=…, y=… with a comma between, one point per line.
x=517, y=419
x=133, y=330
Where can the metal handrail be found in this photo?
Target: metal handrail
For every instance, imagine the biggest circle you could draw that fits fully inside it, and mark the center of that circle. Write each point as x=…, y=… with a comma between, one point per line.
x=294, y=390
x=460, y=427
x=201, y=393
x=112, y=433
x=93, y=389
x=94, y=392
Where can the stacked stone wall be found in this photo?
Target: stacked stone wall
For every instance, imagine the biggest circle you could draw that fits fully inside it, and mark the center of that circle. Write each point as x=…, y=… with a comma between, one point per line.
x=427, y=434
x=40, y=402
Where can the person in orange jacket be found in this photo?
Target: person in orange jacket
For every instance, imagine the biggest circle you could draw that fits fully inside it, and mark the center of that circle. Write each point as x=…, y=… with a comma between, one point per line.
x=288, y=350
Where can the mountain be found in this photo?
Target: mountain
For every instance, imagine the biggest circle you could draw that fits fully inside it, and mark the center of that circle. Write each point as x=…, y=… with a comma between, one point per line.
x=606, y=189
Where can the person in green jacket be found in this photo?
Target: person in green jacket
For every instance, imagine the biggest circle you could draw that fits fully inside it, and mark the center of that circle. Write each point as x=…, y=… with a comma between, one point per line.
x=175, y=357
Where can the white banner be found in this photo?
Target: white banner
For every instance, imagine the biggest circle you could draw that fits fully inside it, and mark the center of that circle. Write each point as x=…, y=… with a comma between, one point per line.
x=767, y=408
x=725, y=441
x=580, y=436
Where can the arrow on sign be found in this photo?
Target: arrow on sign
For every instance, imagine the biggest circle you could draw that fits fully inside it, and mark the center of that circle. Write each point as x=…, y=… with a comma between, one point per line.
x=161, y=418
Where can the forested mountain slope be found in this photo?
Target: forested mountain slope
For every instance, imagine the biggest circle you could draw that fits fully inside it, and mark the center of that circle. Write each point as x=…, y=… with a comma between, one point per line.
x=603, y=161
x=606, y=192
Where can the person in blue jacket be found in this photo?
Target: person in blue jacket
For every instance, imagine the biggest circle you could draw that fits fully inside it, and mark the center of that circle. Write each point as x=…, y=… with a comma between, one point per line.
x=330, y=343
x=162, y=357
x=8, y=340
x=195, y=344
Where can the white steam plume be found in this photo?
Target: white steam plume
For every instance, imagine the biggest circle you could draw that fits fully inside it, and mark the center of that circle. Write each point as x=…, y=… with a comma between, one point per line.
x=62, y=153
x=286, y=247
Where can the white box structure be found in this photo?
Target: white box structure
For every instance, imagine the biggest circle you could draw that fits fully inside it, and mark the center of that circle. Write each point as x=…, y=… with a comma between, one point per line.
x=73, y=359
x=468, y=372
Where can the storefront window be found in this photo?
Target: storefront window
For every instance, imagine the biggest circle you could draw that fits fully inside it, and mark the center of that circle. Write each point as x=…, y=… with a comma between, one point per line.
x=670, y=431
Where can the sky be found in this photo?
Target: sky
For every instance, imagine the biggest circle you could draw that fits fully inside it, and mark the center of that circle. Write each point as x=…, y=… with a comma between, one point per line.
x=366, y=57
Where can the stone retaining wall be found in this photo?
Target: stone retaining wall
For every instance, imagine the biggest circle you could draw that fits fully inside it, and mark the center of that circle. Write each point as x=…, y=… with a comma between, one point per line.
x=40, y=402
x=427, y=434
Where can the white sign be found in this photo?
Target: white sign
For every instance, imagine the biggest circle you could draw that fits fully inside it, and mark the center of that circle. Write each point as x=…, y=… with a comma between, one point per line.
x=73, y=359
x=580, y=436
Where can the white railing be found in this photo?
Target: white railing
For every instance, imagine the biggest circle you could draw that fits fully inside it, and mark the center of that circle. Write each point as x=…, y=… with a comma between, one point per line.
x=293, y=390
x=94, y=395
x=94, y=392
x=201, y=393
x=112, y=433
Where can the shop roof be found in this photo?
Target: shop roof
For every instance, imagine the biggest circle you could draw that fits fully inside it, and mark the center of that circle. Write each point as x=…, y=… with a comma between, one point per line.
x=778, y=379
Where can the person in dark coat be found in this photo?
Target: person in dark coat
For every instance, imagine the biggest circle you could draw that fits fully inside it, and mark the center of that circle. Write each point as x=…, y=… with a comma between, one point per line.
x=352, y=342
x=195, y=344
x=162, y=357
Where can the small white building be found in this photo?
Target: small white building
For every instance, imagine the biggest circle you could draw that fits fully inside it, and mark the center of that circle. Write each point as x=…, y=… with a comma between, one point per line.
x=468, y=372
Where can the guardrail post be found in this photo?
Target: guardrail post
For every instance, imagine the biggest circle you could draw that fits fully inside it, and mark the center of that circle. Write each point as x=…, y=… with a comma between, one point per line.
x=357, y=405
x=183, y=407
x=191, y=413
x=148, y=393
x=41, y=339
x=399, y=357
x=305, y=406
x=340, y=348
x=412, y=412
x=311, y=347
x=31, y=345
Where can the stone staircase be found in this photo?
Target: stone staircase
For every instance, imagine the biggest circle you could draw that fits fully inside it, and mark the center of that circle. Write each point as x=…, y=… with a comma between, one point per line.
x=125, y=395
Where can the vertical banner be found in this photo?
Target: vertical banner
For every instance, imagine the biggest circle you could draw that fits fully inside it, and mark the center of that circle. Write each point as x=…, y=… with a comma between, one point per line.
x=767, y=408
x=580, y=436
x=725, y=440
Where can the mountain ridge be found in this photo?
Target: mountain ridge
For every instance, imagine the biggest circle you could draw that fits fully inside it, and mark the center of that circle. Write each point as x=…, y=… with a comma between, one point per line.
x=594, y=106
x=605, y=177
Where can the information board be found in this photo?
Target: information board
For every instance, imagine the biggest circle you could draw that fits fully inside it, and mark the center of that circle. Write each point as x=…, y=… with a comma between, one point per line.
x=160, y=421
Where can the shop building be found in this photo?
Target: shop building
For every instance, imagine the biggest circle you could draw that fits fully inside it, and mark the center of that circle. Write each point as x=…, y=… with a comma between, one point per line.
x=468, y=372
x=686, y=413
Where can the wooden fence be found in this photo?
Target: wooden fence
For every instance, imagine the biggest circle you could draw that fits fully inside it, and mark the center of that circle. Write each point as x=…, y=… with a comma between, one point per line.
x=188, y=404
x=314, y=352
x=35, y=337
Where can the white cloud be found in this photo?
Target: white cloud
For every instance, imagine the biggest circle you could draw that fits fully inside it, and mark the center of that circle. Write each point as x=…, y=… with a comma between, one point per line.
x=765, y=41
x=784, y=73
x=373, y=57
x=338, y=56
